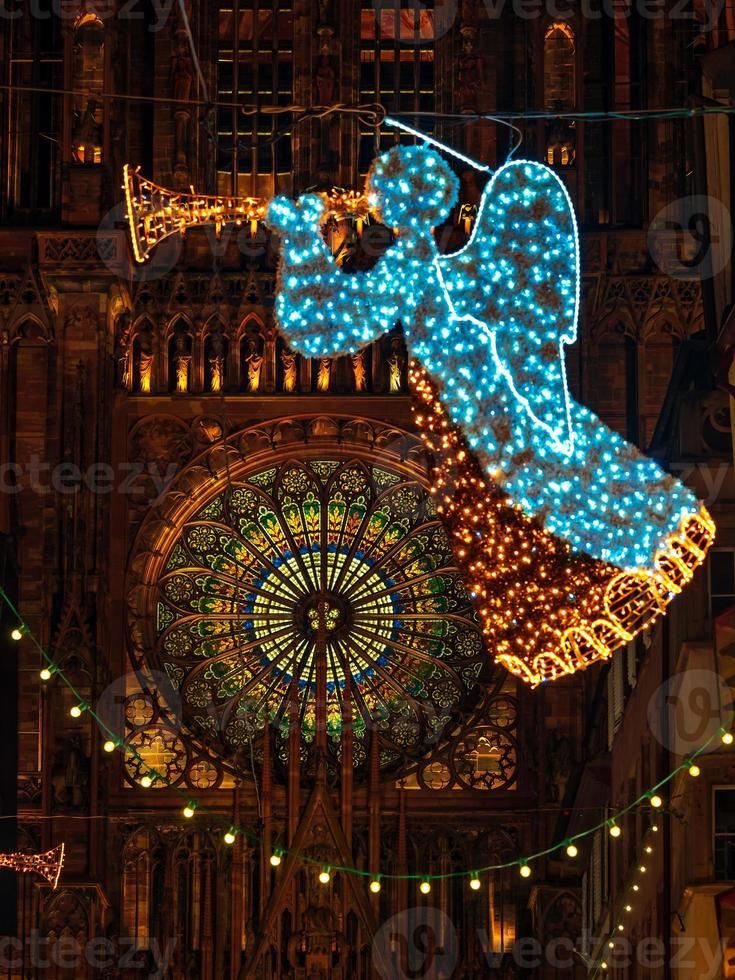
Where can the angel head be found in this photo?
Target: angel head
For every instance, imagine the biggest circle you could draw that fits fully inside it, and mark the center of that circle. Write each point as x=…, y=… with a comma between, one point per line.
x=413, y=188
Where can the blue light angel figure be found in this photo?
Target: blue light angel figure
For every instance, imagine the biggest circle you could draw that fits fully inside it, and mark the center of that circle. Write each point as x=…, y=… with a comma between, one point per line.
x=489, y=324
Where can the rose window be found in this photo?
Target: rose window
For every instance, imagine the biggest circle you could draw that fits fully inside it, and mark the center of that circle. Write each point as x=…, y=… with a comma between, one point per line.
x=329, y=571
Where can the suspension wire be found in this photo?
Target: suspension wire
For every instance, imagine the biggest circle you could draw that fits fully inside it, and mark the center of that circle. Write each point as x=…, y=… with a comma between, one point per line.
x=498, y=116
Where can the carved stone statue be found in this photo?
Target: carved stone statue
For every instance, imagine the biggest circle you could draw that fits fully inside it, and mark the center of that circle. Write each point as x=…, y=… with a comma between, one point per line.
x=217, y=362
x=87, y=135
x=325, y=79
x=358, y=370
x=290, y=370
x=325, y=12
x=76, y=774
x=324, y=376
x=145, y=362
x=254, y=362
x=396, y=362
x=470, y=71
x=559, y=767
x=182, y=78
x=182, y=360
x=122, y=364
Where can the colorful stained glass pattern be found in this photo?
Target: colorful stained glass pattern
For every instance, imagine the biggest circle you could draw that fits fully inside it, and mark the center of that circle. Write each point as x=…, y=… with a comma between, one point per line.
x=330, y=562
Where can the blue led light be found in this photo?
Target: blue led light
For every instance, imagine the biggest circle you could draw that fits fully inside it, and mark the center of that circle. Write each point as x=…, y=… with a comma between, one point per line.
x=490, y=324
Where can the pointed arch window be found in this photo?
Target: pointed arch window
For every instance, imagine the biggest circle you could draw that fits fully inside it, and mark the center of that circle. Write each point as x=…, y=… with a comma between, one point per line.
x=559, y=67
x=89, y=71
x=560, y=83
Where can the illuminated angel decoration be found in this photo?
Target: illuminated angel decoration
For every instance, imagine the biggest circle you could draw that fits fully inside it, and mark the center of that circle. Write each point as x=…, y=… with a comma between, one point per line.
x=489, y=324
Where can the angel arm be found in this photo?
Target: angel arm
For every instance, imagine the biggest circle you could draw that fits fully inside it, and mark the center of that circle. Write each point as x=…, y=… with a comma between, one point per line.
x=323, y=311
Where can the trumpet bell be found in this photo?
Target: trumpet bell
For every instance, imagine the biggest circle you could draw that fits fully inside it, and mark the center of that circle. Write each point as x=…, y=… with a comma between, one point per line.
x=46, y=865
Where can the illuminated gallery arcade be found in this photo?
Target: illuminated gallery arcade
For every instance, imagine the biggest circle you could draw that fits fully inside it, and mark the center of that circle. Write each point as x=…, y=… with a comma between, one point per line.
x=367, y=566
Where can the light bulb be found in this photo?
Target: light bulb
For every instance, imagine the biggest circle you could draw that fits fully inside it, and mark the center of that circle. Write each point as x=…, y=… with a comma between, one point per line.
x=572, y=851
x=45, y=674
x=728, y=738
x=109, y=746
x=654, y=828
x=76, y=711
x=275, y=859
x=16, y=634
x=656, y=802
x=628, y=908
x=694, y=770
x=642, y=869
x=324, y=877
x=475, y=883
x=648, y=849
x=615, y=831
x=603, y=965
x=229, y=837
x=525, y=871
x=621, y=927
x=146, y=782
x=375, y=886
x=189, y=810
x=425, y=887
x=636, y=888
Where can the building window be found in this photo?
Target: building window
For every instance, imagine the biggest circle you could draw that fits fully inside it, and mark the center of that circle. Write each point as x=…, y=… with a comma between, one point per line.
x=34, y=57
x=724, y=843
x=396, y=66
x=255, y=65
x=89, y=86
x=721, y=581
x=560, y=81
x=559, y=68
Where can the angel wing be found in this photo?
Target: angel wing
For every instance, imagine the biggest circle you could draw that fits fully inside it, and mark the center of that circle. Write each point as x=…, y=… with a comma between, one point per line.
x=518, y=280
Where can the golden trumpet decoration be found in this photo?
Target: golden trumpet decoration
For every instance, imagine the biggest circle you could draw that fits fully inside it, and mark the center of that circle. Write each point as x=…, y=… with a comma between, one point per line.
x=47, y=865
x=155, y=213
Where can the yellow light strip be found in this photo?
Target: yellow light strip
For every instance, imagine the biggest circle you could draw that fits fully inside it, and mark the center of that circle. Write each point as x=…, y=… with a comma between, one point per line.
x=47, y=865
x=155, y=213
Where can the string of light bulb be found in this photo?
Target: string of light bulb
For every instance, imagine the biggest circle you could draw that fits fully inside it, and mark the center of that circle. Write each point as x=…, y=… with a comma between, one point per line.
x=631, y=889
x=651, y=800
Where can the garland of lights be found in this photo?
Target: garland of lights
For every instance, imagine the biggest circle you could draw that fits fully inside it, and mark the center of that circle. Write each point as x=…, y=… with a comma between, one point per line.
x=618, y=929
x=47, y=865
x=651, y=799
x=566, y=610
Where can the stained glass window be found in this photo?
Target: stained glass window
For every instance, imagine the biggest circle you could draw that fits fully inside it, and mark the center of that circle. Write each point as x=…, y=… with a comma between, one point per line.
x=330, y=559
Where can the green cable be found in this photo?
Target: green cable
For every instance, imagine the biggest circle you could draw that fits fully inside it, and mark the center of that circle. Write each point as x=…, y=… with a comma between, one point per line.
x=293, y=855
